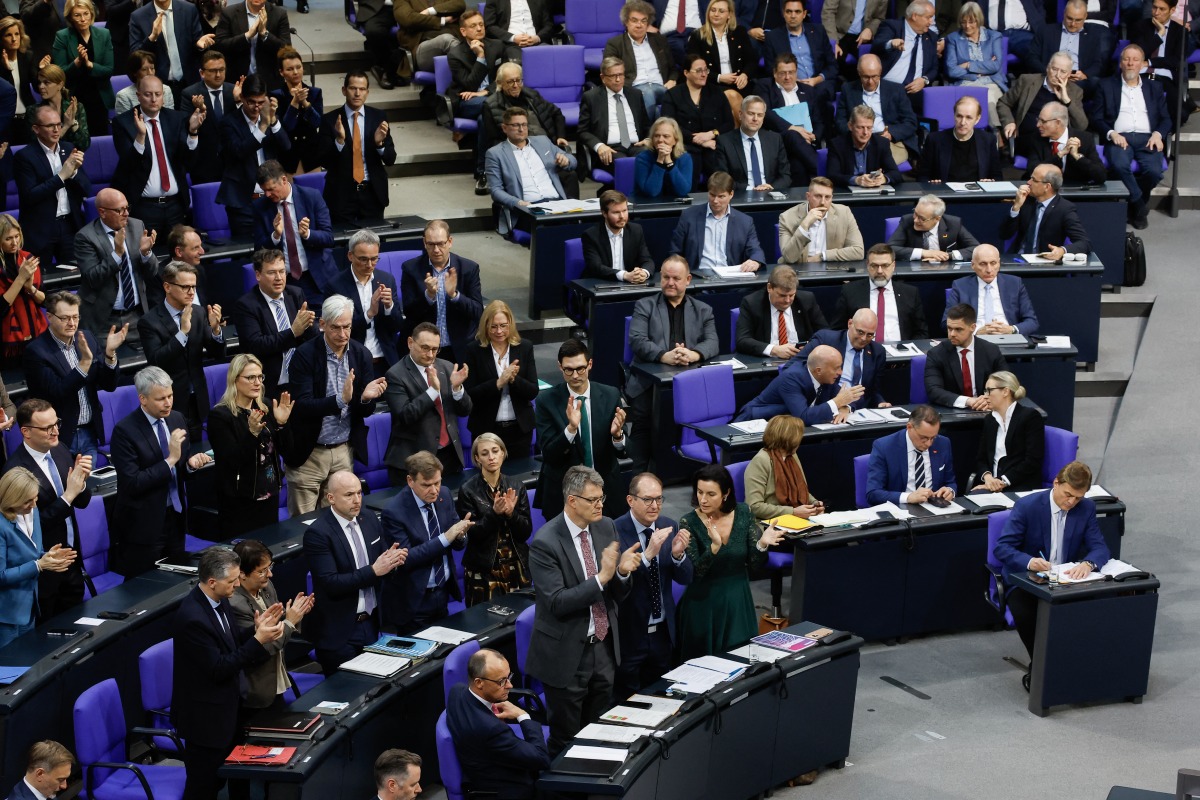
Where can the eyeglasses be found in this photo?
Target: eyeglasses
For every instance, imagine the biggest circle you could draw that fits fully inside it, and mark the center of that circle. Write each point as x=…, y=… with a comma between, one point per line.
x=120, y=211
x=1044, y=120
x=1038, y=180
x=499, y=326
x=650, y=501
x=252, y=378
x=185, y=289
x=499, y=681
x=366, y=259
x=922, y=218
x=517, y=125
x=990, y=389
x=53, y=426
x=573, y=370
x=66, y=320
x=440, y=245
x=265, y=571
x=595, y=501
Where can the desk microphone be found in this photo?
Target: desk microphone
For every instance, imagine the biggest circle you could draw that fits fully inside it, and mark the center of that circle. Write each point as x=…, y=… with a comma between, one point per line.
x=312, y=58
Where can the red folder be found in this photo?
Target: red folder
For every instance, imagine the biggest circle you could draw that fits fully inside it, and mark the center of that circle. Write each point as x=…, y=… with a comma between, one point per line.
x=259, y=755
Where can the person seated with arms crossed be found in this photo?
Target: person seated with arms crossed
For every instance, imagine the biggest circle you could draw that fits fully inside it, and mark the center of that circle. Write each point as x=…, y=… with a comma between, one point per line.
x=957, y=370
x=863, y=357
x=811, y=391
x=1072, y=150
x=999, y=300
x=863, y=158
x=777, y=320
x=775, y=480
x=819, y=229
x=963, y=153
x=1013, y=443
x=1038, y=225
x=702, y=229
x=665, y=170
x=929, y=234
x=913, y=465
x=1017, y=109
x=898, y=309
x=755, y=158
x=615, y=248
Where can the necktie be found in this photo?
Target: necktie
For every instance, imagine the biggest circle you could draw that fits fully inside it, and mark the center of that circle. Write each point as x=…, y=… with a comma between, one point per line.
x=175, y=71
x=56, y=481
x=291, y=243
x=755, y=167
x=160, y=155
x=125, y=277
x=782, y=328
x=1001, y=13
x=435, y=530
x=1054, y=148
x=856, y=372
x=879, y=308
x=931, y=240
x=281, y=321
x=440, y=299
x=681, y=17
x=599, y=612
x=360, y=561
x=919, y=471
x=218, y=110
x=172, y=487
x=443, y=434
x=356, y=158
x=968, y=381
x=913, y=62
x=224, y=623
x=585, y=431
x=622, y=122
x=1031, y=240
x=656, y=603
x=987, y=303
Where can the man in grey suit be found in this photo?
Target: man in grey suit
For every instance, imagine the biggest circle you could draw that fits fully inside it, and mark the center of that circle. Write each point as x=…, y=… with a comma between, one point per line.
x=115, y=256
x=47, y=771
x=426, y=397
x=668, y=328
x=581, y=575
x=540, y=156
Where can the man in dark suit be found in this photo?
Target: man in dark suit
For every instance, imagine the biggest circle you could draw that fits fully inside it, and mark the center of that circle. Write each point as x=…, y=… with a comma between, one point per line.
x=898, y=309
x=150, y=452
x=219, y=98
x=294, y=219
x=272, y=320
x=1090, y=47
x=863, y=358
x=894, y=120
x=184, y=244
x=148, y=31
x=560, y=419
x=51, y=185
x=806, y=39
x=474, y=63
x=426, y=30
x=376, y=19
x=930, y=234
x=255, y=127
x=378, y=317
x=154, y=149
x=696, y=234
x=1043, y=226
x=581, y=574
x=251, y=34
x=210, y=654
x=863, y=158
x=330, y=382
x=1070, y=149
x=659, y=72
x=66, y=366
x=615, y=248
x=1018, y=22
x=43, y=19
x=812, y=391
x=908, y=50
x=962, y=153
x=1000, y=301
x=739, y=152
x=518, y=33
x=348, y=560
x=647, y=621
x=49, y=765
x=777, y=320
x=492, y=757
x=686, y=18
x=426, y=397
x=422, y=522
x=612, y=119
x=356, y=188
x=177, y=335
x=912, y=465
x=783, y=90
x=1045, y=530
x=62, y=487
x=1017, y=109
x=957, y=370
x=443, y=288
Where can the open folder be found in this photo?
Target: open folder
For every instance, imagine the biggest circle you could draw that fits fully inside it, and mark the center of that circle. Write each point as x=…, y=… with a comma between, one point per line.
x=260, y=756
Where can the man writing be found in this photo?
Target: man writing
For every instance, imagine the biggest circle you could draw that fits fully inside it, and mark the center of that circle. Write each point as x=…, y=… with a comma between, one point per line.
x=914, y=465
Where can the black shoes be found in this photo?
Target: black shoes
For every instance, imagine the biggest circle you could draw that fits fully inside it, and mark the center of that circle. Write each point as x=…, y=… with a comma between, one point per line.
x=1025, y=682
x=481, y=185
x=382, y=78
x=302, y=7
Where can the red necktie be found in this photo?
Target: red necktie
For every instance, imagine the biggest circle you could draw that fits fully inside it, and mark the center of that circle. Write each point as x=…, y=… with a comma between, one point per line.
x=681, y=18
x=968, y=383
x=879, y=306
x=160, y=154
x=783, y=337
x=443, y=434
x=1054, y=148
x=599, y=611
x=289, y=236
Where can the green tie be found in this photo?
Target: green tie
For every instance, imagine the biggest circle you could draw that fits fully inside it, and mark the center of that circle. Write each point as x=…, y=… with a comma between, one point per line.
x=585, y=431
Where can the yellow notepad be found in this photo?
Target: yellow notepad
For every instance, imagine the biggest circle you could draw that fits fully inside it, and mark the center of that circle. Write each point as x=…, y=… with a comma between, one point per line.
x=790, y=522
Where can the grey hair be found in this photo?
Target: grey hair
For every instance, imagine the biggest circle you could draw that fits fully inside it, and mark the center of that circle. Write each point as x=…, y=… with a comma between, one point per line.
x=578, y=477
x=364, y=236
x=217, y=561
x=1061, y=54
x=753, y=98
x=1053, y=176
x=335, y=306
x=915, y=6
x=863, y=112
x=149, y=377
x=934, y=203
x=1057, y=111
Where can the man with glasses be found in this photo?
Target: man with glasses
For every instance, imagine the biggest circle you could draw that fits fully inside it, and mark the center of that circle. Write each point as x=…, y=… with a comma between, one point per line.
x=1044, y=225
x=863, y=358
x=295, y=219
x=776, y=321
x=272, y=320
x=1018, y=108
x=913, y=465
x=524, y=169
x=115, y=256
x=1001, y=302
x=812, y=390
x=218, y=97
x=51, y=185
x=249, y=137
x=646, y=55
x=378, y=315
x=1090, y=46
x=357, y=151
x=930, y=234
x=177, y=335
x=899, y=313
x=647, y=621
x=493, y=758
x=894, y=119
x=544, y=118
x=612, y=118
x=444, y=289
x=1072, y=150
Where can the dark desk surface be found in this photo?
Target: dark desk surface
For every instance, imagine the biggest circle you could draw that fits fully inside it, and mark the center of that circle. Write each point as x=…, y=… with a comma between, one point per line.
x=1073, y=592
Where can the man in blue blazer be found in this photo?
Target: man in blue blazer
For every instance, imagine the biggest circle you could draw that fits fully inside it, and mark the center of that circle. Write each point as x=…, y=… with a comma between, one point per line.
x=806, y=39
x=206, y=158
x=1047, y=529
x=942, y=158
x=504, y=176
x=421, y=520
x=378, y=315
x=912, y=465
x=908, y=50
x=146, y=33
x=492, y=757
x=1006, y=307
x=695, y=238
x=863, y=359
x=41, y=187
x=1093, y=44
x=48, y=769
x=444, y=289
x=1059, y=221
x=355, y=199
x=862, y=158
x=895, y=119
x=295, y=219
x=812, y=391
x=647, y=621
x=244, y=133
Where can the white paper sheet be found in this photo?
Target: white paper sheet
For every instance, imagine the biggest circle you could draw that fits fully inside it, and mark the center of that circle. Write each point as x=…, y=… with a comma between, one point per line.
x=589, y=753
x=733, y=272
x=627, y=715
x=667, y=704
x=953, y=508
x=446, y=635
x=905, y=350
x=1091, y=576
x=991, y=499
x=998, y=187
x=756, y=652
x=620, y=734
x=750, y=425
x=1056, y=341
x=1115, y=567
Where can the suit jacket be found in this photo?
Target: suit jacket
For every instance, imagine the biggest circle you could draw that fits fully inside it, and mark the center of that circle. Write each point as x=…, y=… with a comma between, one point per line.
x=133, y=168
x=593, y=118
x=843, y=240
x=887, y=469
x=838, y=15
x=485, y=397
x=741, y=240
x=303, y=126
x=1059, y=222
x=386, y=325
x=895, y=29
x=497, y=16
x=650, y=334
x=993, y=65
x=713, y=112
x=100, y=274
x=818, y=46
x=743, y=57
x=239, y=156
x=54, y=512
x=621, y=46
x=258, y=333
x=840, y=167
x=416, y=26
x=565, y=598
x=42, y=21
x=1088, y=168
x=50, y=377
x=404, y=524
x=898, y=114
x=37, y=189
x=943, y=370
x=754, y=332
x=185, y=364
x=1095, y=51
x=318, y=247
x=1034, y=12
x=874, y=361
x=559, y=454
x=206, y=166
x=545, y=118
x=27, y=69
x=19, y=570
x=504, y=176
x=1144, y=34
x=415, y=422
x=186, y=21
x=307, y=374
x=1109, y=93
x=792, y=392
x=238, y=452
x=597, y=255
x=768, y=90
x=951, y=235
x=636, y=608
x=22, y=792
x=861, y=293
x=938, y=155
x=66, y=48
x=1014, y=300
x=231, y=40
x=467, y=72
x=261, y=678
x=776, y=169
x=339, y=183
x=1014, y=104
x=490, y=754
x=336, y=579
x=1024, y=447
x=462, y=313
x=1026, y=534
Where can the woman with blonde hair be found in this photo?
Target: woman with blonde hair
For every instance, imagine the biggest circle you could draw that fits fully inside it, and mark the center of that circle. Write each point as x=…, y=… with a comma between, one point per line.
x=17, y=68
x=1013, y=443
x=21, y=316
x=52, y=86
x=502, y=380
x=775, y=481
x=665, y=170
x=84, y=52
x=975, y=57
x=729, y=52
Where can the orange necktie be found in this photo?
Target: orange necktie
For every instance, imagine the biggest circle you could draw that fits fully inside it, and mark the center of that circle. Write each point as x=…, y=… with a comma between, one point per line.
x=356, y=160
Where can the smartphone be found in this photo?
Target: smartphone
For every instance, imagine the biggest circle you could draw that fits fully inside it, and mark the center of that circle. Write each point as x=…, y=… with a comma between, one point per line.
x=113, y=615
x=401, y=643
x=104, y=473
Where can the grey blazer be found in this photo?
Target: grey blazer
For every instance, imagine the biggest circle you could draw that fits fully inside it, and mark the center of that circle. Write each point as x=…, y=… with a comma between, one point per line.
x=504, y=176
x=650, y=329
x=260, y=679
x=99, y=272
x=564, y=600
x=415, y=423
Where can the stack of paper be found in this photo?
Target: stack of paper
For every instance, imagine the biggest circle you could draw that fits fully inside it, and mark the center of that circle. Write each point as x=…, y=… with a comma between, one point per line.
x=642, y=717
x=1064, y=579
x=1116, y=566
x=446, y=635
x=833, y=518
x=376, y=664
x=732, y=362
x=871, y=416
x=991, y=499
x=588, y=753
x=698, y=675
x=953, y=508
x=750, y=426
x=998, y=187
x=568, y=206
x=1098, y=491
x=733, y=272
x=621, y=734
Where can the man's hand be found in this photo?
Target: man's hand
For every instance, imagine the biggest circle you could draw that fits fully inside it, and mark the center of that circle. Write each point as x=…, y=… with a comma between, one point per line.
x=843, y=414
x=339, y=130
x=458, y=377
x=805, y=133
x=749, y=265
x=431, y=286
x=196, y=120
x=561, y=160
x=918, y=83
x=115, y=339
x=605, y=154
x=897, y=44
x=631, y=559
x=374, y=390
x=946, y=493
x=1010, y=131
x=507, y=711
x=237, y=90
x=934, y=255
x=381, y=133
x=1022, y=194
x=185, y=320
x=1072, y=148
x=995, y=328
x=636, y=275
x=991, y=483
x=617, y=428
x=85, y=352
x=608, y=562
x=680, y=543
x=304, y=320
x=147, y=244
x=77, y=478
x=71, y=165
x=848, y=395
x=784, y=351
x=206, y=41
x=460, y=528
x=198, y=460
x=1040, y=565
x=1119, y=140
x=921, y=495
x=1080, y=570
x=1054, y=252
x=451, y=283
x=157, y=28
x=979, y=403
x=574, y=416
x=1154, y=144
x=119, y=242
x=175, y=445
x=277, y=224
x=655, y=543
x=214, y=319
x=865, y=36
x=813, y=215
x=389, y=559
x=348, y=387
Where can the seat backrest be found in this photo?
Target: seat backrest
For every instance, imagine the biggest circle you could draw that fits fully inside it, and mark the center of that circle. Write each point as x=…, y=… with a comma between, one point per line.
x=392, y=262
x=210, y=215
x=248, y=279
x=441, y=74
x=995, y=522
x=215, y=375
x=12, y=440
x=119, y=82
x=1062, y=447
x=556, y=71
x=734, y=315
x=822, y=161
x=594, y=22
x=704, y=397
x=312, y=180
x=379, y=431
x=860, y=480
x=572, y=260
x=623, y=174
x=101, y=162
x=93, y=538
x=628, y=354
x=454, y=670
x=155, y=671
x=738, y=473
x=916, y=380
x=535, y=516
x=524, y=632
x=100, y=727
x=889, y=227
x=116, y=405
x=448, y=766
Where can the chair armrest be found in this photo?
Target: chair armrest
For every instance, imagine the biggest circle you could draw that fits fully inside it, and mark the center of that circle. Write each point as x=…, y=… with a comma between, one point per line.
x=167, y=732
x=530, y=701
x=712, y=448
x=114, y=765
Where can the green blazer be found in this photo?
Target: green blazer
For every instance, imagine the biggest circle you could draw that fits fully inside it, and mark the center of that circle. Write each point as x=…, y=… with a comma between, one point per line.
x=66, y=48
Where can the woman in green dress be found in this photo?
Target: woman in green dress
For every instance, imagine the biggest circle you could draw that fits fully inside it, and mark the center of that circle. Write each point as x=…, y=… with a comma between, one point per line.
x=717, y=611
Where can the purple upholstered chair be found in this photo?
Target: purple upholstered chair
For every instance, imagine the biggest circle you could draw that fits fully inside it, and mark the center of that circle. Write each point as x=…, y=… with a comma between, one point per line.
x=154, y=669
x=997, y=592
x=379, y=429
x=448, y=766
x=736, y=313
x=939, y=103
x=916, y=380
x=593, y=23
x=623, y=174
x=454, y=671
x=860, y=480
x=441, y=83
x=215, y=376
x=1062, y=447
x=573, y=270
x=524, y=632
x=557, y=72
x=703, y=397
x=889, y=227
x=94, y=543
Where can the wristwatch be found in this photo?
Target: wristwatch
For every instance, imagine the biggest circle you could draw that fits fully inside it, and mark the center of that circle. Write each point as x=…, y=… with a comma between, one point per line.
x=1092, y=565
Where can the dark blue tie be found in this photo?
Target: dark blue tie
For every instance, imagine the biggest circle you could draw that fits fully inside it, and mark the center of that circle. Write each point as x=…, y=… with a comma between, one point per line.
x=856, y=372
x=435, y=530
x=56, y=479
x=126, y=277
x=172, y=488
x=755, y=167
x=912, y=62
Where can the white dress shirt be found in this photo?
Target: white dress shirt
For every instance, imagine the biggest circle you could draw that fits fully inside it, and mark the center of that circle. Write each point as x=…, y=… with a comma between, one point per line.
x=616, y=245
x=520, y=19
x=535, y=180
x=817, y=390
x=997, y=308
x=788, y=321
x=647, y=64
x=961, y=400
x=1014, y=16
x=912, y=48
x=816, y=240
x=505, y=412
x=370, y=340
x=875, y=103
x=575, y=530
x=691, y=15
x=350, y=536
x=64, y=206
x=891, y=312
x=290, y=202
x=1001, y=434
x=723, y=52
x=1133, y=116
x=910, y=458
x=153, y=186
x=614, y=127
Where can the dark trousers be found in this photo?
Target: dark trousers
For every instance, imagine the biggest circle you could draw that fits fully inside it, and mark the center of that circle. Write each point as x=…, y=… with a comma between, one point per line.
x=676, y=41
x=312, y=293
x=1024, y=610
x=140, y=555
x=189, y=404
x=519, y=443
x=430, y=609
x=362, y=633
x=119, y=319
x=239, y=515
x=802, y=158
x=201, y=765
x=645, y=664
x=362, y=205
x=59, y=247
x=380, y=41
x=241, y=222
x=60, y=591
x=161, y=217
x=848, y=65
x=585, y=697
x=641, y=430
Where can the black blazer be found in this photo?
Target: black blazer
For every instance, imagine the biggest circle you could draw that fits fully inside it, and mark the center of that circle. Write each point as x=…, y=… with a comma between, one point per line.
x=339, y=183
x=558, y=454
x=42, y=21
x=186, y=20
x=462, y=315
x=1095, y=50
x=861, y=294
x=1024, y=445
x=492, y=756
x=206, y=158
x=593, y=118
x=1144, y=34
x=28, y=70
x=236, y=451
x=133, y=168
x=307, y=374
x=776, y=169
x=185, y=365
x=621, y=46
x=387, y=326
x=37, y=191
x=951, y=235
x=467, y=72
x=485, y=397
x=840, y=167
x=938, y=154
x=231, y=40
x=713, y=112
x=754, y=320
x=51, y=378
x=498, y=13
x=336, y=580
x=597, y=255
x=1059, y=221
x=475, y=498
x=259, y=334
x=898, y=114
x=943, y=370
x=1088, y=168
x=743, y=57
x=239, y=157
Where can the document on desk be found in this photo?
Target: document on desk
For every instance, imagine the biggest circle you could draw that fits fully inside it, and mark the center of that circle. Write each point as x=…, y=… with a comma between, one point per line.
x=891, y=508
x=621, y=734
x=902, y=350
x=1097, y=491
x=750, y=426
x=590, y=753
x=446, y=635
x=756, y=652
x=701, y=674
x=870, y=416
x=732, y=362
x=1034, y=258
x=834, y=518
x=733, y=272
x=667, y=704
x=991, y=499
x=1115, y=566
x=568, y=206
x=885, y=189
x=950, y=510
x=1091, y=576
x=376, y=664
x=1063, y=342
x=11, y=674
x=998, y=187
x=640, y=717
x=960, y=186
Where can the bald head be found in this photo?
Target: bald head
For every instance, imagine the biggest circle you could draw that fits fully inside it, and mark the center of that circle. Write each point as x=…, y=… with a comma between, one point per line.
x=985, y=261
x=869, y=63
x=113, y=208
x=861, y=328
x=344, y=493
x=825, y=364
